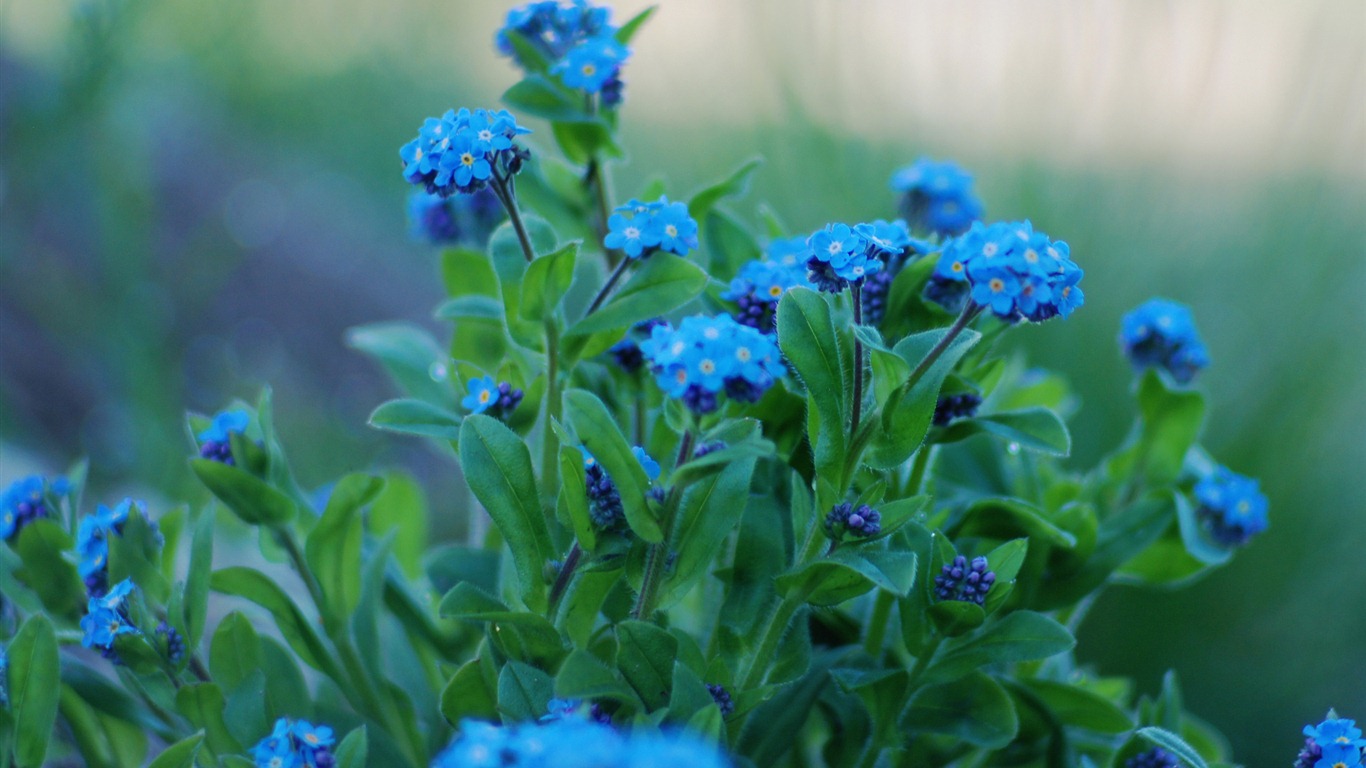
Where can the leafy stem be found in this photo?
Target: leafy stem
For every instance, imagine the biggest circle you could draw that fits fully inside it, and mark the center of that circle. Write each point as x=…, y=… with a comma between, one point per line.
x=607, y=286
x=550, y=465
x=965, y=318
x=562, y=579
x=659, y=553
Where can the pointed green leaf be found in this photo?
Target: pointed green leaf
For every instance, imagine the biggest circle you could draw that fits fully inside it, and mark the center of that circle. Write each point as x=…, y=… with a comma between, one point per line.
x=180, y=754
x=598, y=430
x=34, y=688
x=659, y=285
x=1175, y=745
x=250, y=498
x=1034, y=429
x=645, y=657
x=973, y=708
x=1021, y=636
x=547, y=279
x=333, y=546
x=416, y=417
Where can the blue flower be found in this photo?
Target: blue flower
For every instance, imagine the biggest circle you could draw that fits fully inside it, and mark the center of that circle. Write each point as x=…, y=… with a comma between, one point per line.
x=937, y=197
x=1338, y=731
x=1007, y=267
x=1232, y=506
x=574, y=742
x=840, y=256
x=467, y=219
x=789, y=252
x=552, y=28
x=483, y=393
x=107, y=617
x=1156, y=757
x=1161, y=334
x=861, y=522
x=460, y=152
x=592, y=64
x=295, y=743
x=312, y=737
x=478, y=745
x=639, y=229
x=22, y=503
x=1338, y=756
x=956, y=406
x=704, y=357
x=650, y=466
x=216, y=439
x=92, y=542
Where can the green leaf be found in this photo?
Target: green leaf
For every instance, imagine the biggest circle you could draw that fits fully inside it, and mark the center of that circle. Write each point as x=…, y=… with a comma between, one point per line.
x=235, y=651
x=523, y=692
x=527, y=54
x=250, y=498
x=196, y=602
x=203, y=705
x=598, y=430
x=584, y=676
x=296, y=627
x=34, y=688
x=407, y=353
x=645, y=657
x=333, y=546
x=1079, y=707
x=848, y=572
x=401, y=507
x=731, y=186
x=906, y=417
x=687, y=694
x=497, y=467
x=468, y=694
x=354, y=750
x=511, y=265
x=1196, y=538
x=136, y=554
x=973, y=708
x=1004, y=518
x=729, y=243
x=1020, y=636
x=547, y=279
x=1005, y=561
x=895, y=514
x=46, y=570
x=583, y=140
x=709, y=511
x=954, y=618
x=540, y=96
x=466, y=307
x=470, y=603
x=1175, y=745
x=768, y=731
x=807, y=337
x=180, y=754
x=628, y=30
x=659, y=285
x=416, y=417
x=1034, y=429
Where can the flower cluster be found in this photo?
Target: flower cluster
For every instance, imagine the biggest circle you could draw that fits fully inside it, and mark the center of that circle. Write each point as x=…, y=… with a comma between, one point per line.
x=863, y=522
x=23, y=502
x=840, y=255
x=962, y=405
x=1334, y=743
x=759, y=286
x=574, y=743
x=215, y=442
x=721, y=696
x=1007, y=267
x=937, y=197
x=639, y=229
x=107, y=617
x=175, y=643
x=462, y=151
x=1156, y=757
x=577, y=38
x=497, y=398
x=463, y=219
x=92, y=542
x=967, y=583
x=295, y=744
x=604, y=502
x=1161, y=334
x=626, y=353
x=706, y=356
x=1232, y=507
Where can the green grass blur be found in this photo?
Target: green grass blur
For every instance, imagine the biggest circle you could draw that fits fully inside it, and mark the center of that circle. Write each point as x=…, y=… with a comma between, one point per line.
x=198, y=199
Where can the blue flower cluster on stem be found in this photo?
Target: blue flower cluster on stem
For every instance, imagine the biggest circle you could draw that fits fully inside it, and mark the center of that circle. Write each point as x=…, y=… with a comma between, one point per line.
x=296, y=744
x=496, y=398
x=577, y=39
x=464, y=152
x=107, y=617
x=861, y=522
x=937, y=197
x=1156, y=757
x=604, y=502
x=841, y=256
x=960, y=580
x=460, y=219
x=640, y=229
x=24, y=501
x=92, y=542
x=1007, y=267
x=1231, y=506
x=1160, y=333
x=1334, y=743
x=706, y=356
x=961, y=405
x=759, y=286
x=215, y=441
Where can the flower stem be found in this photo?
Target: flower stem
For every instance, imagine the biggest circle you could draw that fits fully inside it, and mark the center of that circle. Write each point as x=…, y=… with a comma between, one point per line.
x=659, y=553
x=571, y=561
x=856, y=290
x=969, y=313
x=877, y=623
x=550, y=465
x=607, y=286
x=502, y=187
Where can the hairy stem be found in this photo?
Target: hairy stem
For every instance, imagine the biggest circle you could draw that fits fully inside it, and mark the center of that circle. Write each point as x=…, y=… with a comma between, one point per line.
x=502, y=187
x=562, y=579
x=607, y=286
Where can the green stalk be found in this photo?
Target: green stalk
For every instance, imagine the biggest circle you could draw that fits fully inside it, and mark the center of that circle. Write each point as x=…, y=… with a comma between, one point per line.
x=877, y=623
x=607, y=286
x=659, y=553
x=969, y=313
x=502, y=187
x=550, y=463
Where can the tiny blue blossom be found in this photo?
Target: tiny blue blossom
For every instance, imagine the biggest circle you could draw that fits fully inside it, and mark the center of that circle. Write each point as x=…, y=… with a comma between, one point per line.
x=648, y=464
x=937, y=197
x=965, y=582
x=1232, y=507
x=706, y=356
x=295, y=744
x=107, y=617
x=592, y=64
x=759, y=286
x=552, y=28
x=483, y=393
x=1156, y=757
x=841, y=255
x=22, y=503
x=1008, y=268
x=860, y=522
x=640, y=229
x=1161, y=334
x=460, y=152
x=216, y=440
x=92, y=541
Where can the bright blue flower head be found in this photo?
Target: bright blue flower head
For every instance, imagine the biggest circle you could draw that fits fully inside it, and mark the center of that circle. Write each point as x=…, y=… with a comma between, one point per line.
x=215, y=441
x=840, y=256
x=573, y=742
x=295, y=744
x=705, y=356
x=463, y=219
x=759, y=286
x=107, y=617
x=22, y=503
x=1010, y=269
x=92, y=542
x=1231, y=506
x=553, y=28
x=1161, y=334
x=593, y=64
x=460, y=152
x=639, y=229
x=937, y=197
x=1337, y=731
x=498, y=398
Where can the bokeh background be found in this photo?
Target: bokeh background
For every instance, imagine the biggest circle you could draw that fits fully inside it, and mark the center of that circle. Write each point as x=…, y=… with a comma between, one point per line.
x=198, y=198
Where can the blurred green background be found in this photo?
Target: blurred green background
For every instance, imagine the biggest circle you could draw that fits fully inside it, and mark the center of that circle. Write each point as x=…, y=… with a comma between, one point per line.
x=198, y=198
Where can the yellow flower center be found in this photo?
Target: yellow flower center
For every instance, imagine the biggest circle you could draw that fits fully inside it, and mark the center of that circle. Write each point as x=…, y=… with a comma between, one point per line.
x=997, y=285
x=484, y=396
x=467, y=159
x=671, y=231
x=1031, y=256
x=707, y=366
x=588, y=70
x=775, y=291
x=957, y=266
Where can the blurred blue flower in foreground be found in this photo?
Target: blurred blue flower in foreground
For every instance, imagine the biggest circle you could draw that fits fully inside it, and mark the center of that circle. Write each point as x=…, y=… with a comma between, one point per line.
x=705, y=356
x=1334, y=743
x=576, y=39
x=1161, y=334
x=21, y=504
x=462, y=219
x=937, y=197
x=1232, y=507
x=574, y=742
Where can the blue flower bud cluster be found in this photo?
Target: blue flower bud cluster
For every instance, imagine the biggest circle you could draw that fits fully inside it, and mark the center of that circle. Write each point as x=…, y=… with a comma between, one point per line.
x=706, y=356
x=640, y=229
x=215, y=442
x=460, y=152
x=487, y=396
x=840, y=255
x=577, y=38
x=296, y=744
x=962, y=405
x=1232, y=506
x=1007, y=267
x=759, y=286
x=23, y=502
x=1156, y=757
x=721, y=696
x=1334, y=743
x=937, y=197
x=574, y=743
x=1161, y=334
x=863, y=522
x=604, y=501
x=107, y=617
x=960, y=581
x=460, y=220
x=92, y=542
x=175, y=643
